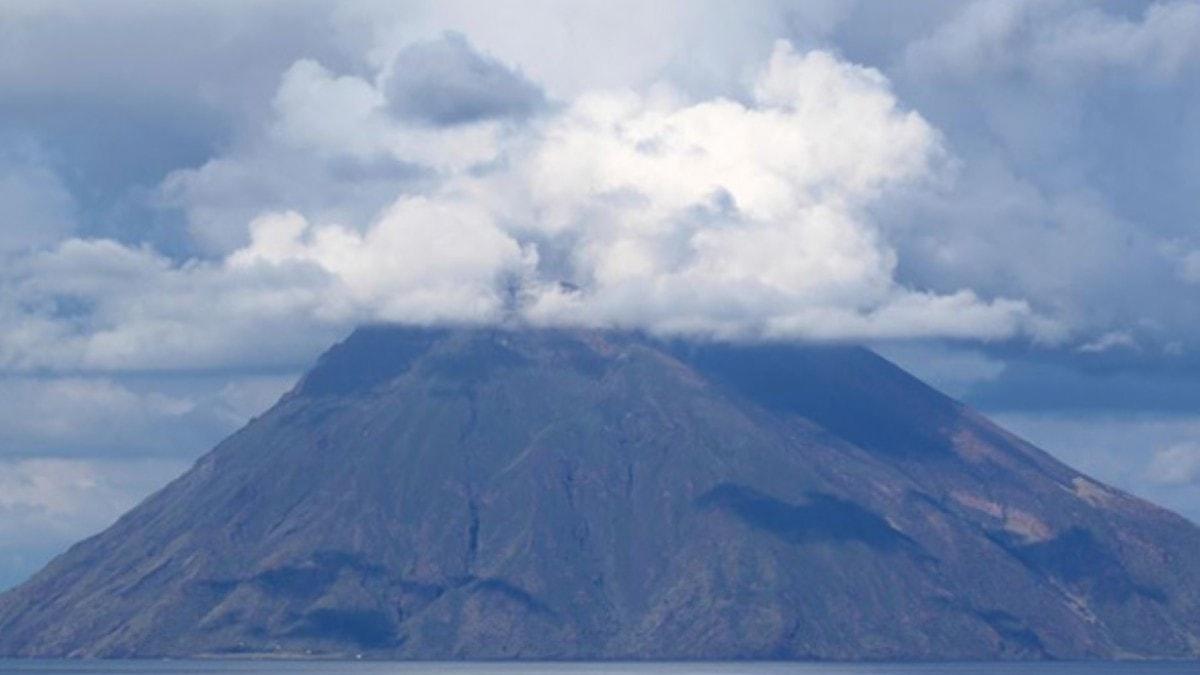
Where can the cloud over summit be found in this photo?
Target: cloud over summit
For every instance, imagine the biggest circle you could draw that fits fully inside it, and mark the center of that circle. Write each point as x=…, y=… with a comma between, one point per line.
x=987, y=176
x=396, y=170
x=649, y=210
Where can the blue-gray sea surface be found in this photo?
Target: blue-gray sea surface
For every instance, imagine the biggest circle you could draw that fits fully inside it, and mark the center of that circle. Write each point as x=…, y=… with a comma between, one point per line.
x=45, y=667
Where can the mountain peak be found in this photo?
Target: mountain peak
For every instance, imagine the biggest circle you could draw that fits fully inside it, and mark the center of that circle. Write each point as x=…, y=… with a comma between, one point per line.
x=489, y=493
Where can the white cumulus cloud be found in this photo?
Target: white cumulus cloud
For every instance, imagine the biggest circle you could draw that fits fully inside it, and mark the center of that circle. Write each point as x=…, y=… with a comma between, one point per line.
x=717, y=217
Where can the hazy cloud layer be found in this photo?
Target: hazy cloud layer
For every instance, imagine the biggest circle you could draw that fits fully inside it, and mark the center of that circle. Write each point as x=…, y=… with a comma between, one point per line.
x=49, y=504
x=1177, y=464
x=88, y=416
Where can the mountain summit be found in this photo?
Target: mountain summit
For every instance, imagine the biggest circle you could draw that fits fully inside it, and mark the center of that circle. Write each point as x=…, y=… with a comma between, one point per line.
x=556, y=494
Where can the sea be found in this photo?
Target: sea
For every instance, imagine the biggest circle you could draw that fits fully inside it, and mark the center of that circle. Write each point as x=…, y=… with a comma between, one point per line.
x=47, y=667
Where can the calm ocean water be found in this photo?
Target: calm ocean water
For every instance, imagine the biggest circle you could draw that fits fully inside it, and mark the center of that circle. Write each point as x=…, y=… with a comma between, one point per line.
x=337, y=667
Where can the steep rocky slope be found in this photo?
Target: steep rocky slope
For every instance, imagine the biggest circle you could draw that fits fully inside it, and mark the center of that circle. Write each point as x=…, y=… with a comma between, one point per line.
x=570, y=494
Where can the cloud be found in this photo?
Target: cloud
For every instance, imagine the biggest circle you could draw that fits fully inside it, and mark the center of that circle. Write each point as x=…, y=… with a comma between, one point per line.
x=47, y=504
x=1027, y=167
x=706, y=45
x=348, y=117
x=1061, y=41
x=1176, y=465
x=72, y=411
x=743, y=220
x=1111, y=340
x=446, y=82
x=331, y=149
x=987, y=221
x=105, y=416
x=1035, y=166
x=1073, y=127
x=423, y=261
x=96, y=305
x=144, y=89
x=1117, y=448
x=90, y=305
x=1189, y=267
x=53, y=488
x=78, y=451
x=896, y=224
x=38, y=210
x=219, y=198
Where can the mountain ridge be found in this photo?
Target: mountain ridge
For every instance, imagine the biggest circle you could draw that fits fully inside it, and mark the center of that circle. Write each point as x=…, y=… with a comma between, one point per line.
x=491, y=493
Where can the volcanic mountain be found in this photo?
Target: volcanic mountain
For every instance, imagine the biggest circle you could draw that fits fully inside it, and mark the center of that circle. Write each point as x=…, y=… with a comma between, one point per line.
x=559, y=494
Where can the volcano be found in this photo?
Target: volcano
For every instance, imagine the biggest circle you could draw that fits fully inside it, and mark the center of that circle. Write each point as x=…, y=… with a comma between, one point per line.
x=467, y=493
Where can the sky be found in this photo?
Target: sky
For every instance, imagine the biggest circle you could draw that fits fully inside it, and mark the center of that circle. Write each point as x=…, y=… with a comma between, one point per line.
x=197, y=198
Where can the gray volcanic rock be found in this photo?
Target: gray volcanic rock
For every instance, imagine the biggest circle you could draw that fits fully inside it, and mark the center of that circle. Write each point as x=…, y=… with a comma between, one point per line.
x=445, y=494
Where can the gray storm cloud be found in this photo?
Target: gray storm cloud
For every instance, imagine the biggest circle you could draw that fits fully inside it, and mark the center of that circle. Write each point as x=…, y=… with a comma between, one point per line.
x=445, y=82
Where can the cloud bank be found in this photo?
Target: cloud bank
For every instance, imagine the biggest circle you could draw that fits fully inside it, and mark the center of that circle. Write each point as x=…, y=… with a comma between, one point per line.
x=734, y=219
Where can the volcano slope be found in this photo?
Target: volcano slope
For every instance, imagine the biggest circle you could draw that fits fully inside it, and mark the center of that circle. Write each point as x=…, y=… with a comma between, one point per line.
x=552, y=494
